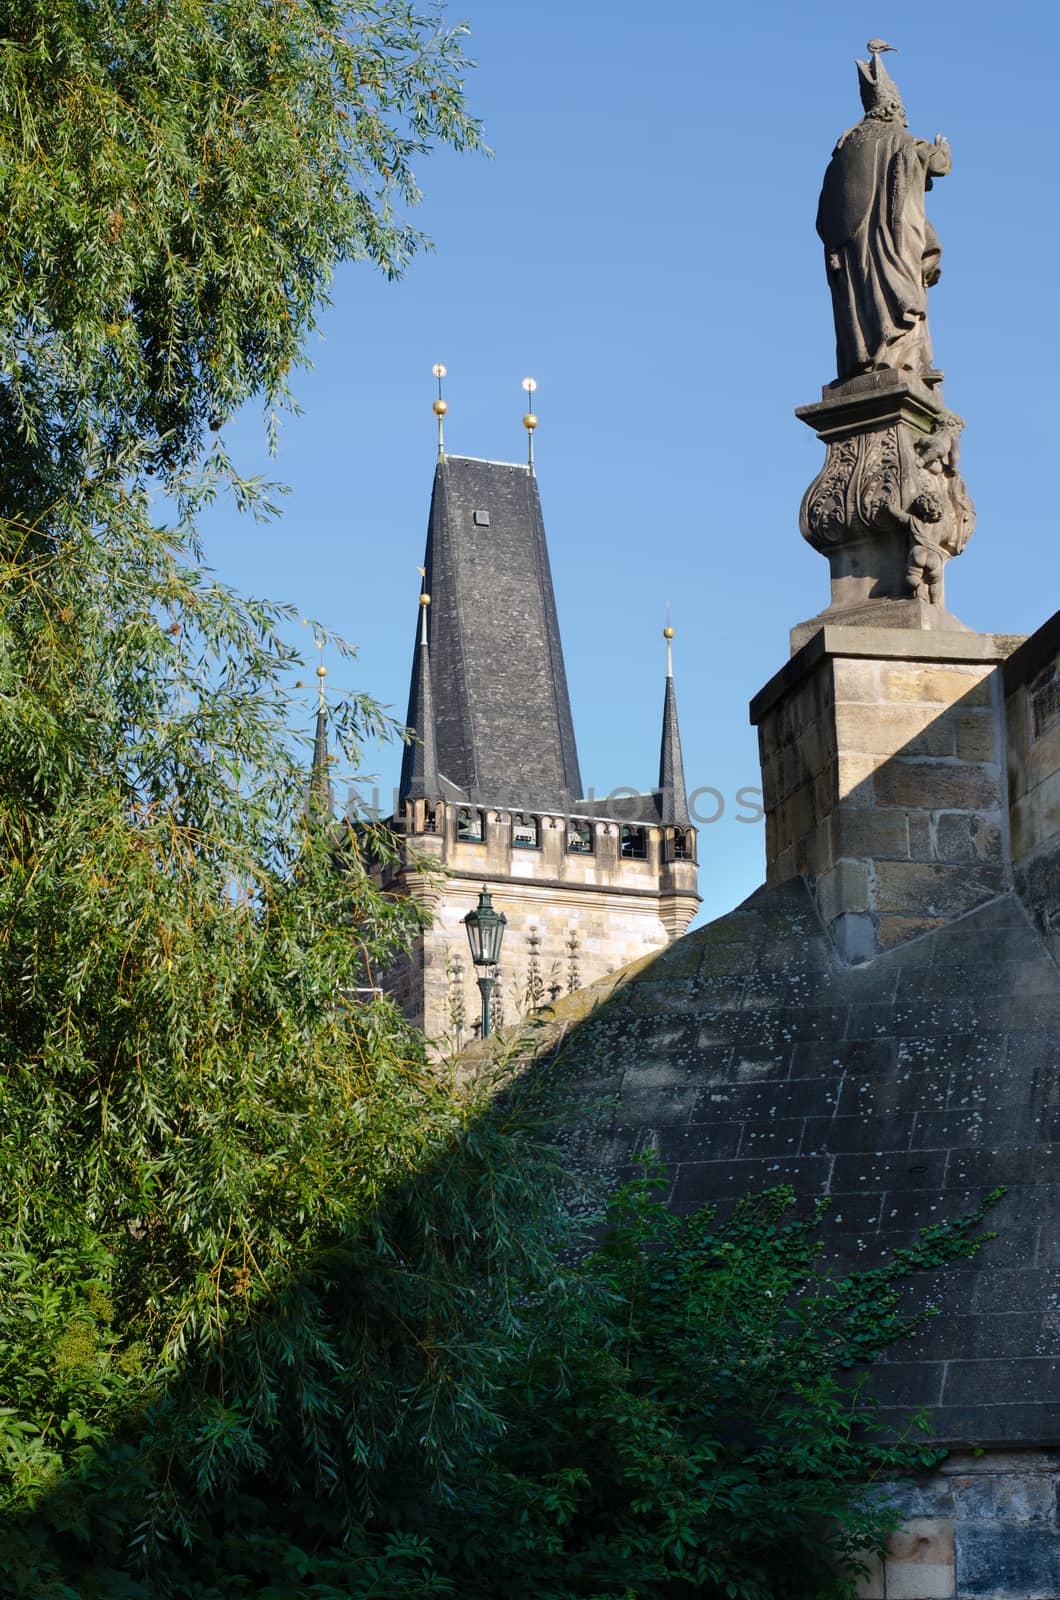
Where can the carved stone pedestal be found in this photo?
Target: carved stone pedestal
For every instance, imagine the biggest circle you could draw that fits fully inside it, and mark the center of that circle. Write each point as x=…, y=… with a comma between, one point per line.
x=889, y=507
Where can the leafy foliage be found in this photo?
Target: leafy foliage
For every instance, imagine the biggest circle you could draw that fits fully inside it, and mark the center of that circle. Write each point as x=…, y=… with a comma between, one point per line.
x=677, y=1416
x=698, y=1429
x=178, y=180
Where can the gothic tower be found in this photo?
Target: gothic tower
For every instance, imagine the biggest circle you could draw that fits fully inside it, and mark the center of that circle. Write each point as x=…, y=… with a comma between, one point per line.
x=490, y=791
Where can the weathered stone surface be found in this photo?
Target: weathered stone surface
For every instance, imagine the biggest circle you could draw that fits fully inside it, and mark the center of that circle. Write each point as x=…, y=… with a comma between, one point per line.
x=1012, y=1497
x=938, y=786
x=975, y=738
x=870, y=1587
x=939, y=686
x=894, y=931
x=854, y=775
x=892, y=730
x=872, y=834
x=1007, y=1563
x=904, y=1090
x=919, y=1560
x=933, y=891
x=857, y=681
x=960, y=837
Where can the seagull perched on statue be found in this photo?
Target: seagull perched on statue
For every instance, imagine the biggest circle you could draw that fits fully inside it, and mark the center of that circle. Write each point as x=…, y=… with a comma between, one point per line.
x=878, y=46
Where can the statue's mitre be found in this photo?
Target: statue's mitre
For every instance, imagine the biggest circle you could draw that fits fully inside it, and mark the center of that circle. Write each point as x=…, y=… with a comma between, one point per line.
x=876, y=85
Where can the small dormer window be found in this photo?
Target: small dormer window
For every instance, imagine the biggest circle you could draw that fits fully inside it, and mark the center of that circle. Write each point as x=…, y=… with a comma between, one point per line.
x=481, y=519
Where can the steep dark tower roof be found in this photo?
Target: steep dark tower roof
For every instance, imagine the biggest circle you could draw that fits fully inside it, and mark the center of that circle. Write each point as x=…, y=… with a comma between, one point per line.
x=673, y=797
x=503, y=726
x=419, y=764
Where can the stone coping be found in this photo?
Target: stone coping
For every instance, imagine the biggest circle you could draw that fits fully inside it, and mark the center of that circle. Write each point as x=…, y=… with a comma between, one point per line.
x=1033, y=654
x=880, y=644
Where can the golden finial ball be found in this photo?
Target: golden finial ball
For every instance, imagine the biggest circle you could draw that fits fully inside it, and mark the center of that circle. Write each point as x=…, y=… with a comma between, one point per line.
x=668, y=632
x=425, y=599
x=440, y=407
x=529, y=422
x=322, y=671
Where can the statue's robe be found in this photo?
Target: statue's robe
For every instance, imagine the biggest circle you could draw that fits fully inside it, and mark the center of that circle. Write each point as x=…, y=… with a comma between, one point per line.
x=880, y=250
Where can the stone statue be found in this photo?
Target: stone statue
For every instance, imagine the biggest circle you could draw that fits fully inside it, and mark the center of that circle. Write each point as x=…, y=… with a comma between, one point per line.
x=881, y=252
x=889, y=508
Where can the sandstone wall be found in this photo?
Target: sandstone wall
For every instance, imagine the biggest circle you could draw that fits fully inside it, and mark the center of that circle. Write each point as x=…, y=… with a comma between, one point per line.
x=985, y=1527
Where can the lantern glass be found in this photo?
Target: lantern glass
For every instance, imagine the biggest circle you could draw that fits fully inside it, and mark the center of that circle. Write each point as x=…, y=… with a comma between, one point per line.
x=485, y=930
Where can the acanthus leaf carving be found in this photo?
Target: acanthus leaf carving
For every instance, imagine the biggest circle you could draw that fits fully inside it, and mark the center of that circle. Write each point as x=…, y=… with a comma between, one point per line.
x=894, y=478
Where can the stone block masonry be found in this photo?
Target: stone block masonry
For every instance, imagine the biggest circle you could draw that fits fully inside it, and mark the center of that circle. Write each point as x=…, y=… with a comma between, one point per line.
x=883, y=771
x=985, y=1527
x=748, y=1055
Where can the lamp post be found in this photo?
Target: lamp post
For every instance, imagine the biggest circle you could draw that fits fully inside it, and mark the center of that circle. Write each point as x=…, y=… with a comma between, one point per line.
x=485, y=930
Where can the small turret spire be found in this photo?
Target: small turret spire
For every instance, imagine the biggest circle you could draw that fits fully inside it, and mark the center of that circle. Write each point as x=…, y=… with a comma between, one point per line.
x=321, y=799
x=673, y=798
x=440, y=408
x=419, y=766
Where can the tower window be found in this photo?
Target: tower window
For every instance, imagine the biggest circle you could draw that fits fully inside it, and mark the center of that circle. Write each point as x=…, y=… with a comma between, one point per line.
x=633, y=843
x=579, y=838
x=469, y=826
x=481, y=519
x=682, y=845
x=526, y=832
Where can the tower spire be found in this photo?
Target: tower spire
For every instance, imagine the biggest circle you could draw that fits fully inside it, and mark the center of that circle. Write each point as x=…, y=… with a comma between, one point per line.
x=321, y=799
x=419, y=766
x=673, y=799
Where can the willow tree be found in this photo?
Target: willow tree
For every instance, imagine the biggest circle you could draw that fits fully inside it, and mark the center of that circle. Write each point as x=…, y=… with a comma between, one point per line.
x=225, y=1187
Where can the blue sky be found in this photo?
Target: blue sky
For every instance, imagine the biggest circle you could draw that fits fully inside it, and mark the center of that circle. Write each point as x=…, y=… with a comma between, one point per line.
x=642, y=243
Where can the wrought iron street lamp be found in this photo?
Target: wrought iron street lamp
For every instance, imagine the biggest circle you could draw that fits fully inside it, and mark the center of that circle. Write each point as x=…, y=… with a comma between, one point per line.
x=485, y=930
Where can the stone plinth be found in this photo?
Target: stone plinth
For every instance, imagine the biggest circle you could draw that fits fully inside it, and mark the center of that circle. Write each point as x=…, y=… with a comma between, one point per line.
x=883, y=777
x=889, y=507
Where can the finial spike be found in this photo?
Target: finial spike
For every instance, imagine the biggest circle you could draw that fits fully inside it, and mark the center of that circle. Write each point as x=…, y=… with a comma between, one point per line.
x=425, y=601
x=668, y=635
x=530, y=421
x=440, y=408
x=322, y=672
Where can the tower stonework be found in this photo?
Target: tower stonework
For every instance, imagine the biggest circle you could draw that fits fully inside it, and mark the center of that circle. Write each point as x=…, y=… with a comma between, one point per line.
x=490, y=790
